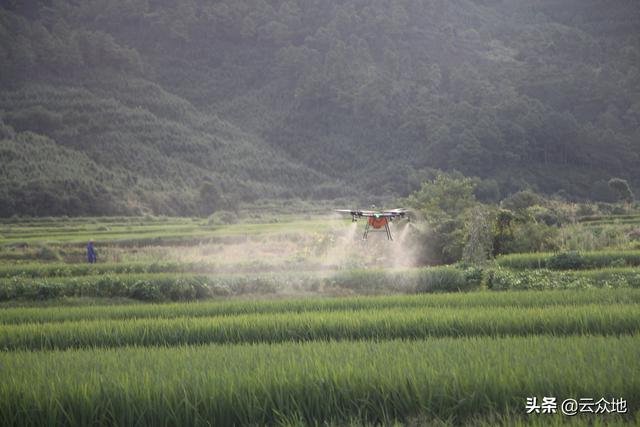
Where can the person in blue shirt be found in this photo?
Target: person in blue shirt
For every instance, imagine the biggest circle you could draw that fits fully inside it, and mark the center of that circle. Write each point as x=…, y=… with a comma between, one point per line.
x=91, y=253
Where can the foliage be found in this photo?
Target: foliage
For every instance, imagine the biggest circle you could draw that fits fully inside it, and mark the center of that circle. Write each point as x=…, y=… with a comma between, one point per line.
x=112, y=108
x=479, y=236
x=621, y=187
x=444, y=197
x=521, y=201
x=532, y=237
x=503, y=231
x=444, y=202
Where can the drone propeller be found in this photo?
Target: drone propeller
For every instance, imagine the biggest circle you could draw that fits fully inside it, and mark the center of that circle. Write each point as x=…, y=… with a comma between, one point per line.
x=377, y=214
x=377, y=219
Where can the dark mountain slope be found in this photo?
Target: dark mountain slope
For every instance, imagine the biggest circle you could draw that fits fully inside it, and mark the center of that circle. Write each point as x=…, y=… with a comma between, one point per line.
x=281, y=98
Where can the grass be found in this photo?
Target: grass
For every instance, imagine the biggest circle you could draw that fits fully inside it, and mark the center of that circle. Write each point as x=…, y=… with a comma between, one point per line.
x=316, y=382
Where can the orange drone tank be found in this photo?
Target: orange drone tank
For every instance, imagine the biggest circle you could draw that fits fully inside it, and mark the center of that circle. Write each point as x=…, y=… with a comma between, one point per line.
x=378, y=222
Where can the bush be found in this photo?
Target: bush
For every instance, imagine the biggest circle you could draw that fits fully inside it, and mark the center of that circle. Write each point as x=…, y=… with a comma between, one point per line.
x=522, y=200
x=531, y=237
x=586, y=210
x=566, y=261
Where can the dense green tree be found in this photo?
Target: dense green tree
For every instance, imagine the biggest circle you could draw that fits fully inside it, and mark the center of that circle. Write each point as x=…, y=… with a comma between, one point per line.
x=621, y=187
x=446, y=203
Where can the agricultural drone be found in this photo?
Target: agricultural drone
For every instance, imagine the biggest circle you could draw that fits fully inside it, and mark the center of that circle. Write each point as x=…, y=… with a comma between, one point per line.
x=376, y=219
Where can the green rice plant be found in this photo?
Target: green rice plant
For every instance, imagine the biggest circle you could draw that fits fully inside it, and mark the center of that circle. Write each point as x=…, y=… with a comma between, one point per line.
x=430, y=279
x=570, y=260
x=153, y=286
x=372, y=281
x=316, y=383
x=390, y=323
x=444, y=279
x=523, y=299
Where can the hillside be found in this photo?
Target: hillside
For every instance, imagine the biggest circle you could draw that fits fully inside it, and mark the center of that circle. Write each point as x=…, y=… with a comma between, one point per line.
x=183, y=107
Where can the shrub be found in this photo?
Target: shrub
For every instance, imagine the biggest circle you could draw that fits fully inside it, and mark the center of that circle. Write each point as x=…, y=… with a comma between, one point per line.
x=145, y=291
x=566, y=261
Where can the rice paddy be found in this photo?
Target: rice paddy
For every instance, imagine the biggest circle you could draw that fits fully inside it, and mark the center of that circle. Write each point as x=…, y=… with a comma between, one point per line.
x=187, y=334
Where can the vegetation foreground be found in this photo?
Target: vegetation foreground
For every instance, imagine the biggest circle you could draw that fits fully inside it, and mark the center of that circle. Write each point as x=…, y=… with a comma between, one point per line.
x=280, y=324
x=258, y=384
x=375, y=359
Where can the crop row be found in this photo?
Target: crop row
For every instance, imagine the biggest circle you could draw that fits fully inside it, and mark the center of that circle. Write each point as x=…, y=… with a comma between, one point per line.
x=162, y=287
x=70, y=270
x=97, y=233
x=176, y=287
x=379, y=324
x=571, y=260
x=142, y=287
x=541, y=279
x=96, y=220
x=521, y=299
x=311, y=383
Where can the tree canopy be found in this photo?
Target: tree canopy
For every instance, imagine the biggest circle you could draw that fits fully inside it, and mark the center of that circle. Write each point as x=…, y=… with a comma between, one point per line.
x=139, y=103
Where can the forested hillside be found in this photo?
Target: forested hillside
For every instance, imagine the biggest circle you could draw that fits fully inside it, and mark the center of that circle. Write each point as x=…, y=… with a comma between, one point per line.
x=183, y=107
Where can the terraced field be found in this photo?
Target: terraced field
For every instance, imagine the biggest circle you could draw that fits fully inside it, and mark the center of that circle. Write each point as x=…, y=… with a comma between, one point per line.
x=374, y=359
x=166, y=340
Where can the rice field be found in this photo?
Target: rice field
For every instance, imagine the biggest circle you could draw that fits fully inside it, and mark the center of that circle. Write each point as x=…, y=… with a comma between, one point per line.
x=303, y=383
x=184, y=334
